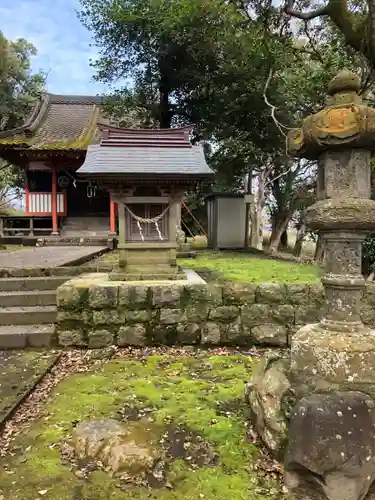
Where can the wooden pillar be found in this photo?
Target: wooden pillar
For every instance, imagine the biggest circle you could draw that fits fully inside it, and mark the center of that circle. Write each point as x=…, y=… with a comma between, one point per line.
x=112, y=217
x=31, y=227
x=122, y=234
x=173, y=221
x=27, y=191
x=55, y=226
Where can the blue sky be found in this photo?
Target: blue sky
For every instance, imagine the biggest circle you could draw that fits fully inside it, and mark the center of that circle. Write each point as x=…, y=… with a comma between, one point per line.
x=63, y=44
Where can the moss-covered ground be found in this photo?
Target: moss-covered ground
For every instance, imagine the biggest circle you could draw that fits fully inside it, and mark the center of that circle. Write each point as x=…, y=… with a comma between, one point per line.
x=243, y=267
x=199, y=393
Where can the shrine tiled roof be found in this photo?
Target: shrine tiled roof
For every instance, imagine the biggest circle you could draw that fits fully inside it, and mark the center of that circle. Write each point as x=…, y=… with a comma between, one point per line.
x=145, y=152
x=58, y=122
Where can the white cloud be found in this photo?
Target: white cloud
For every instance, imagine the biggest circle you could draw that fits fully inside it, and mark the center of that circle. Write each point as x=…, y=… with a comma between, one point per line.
x=63, y=44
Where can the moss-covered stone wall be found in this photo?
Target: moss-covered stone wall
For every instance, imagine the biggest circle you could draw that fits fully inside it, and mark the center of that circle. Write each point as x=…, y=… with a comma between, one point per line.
x=102, y=314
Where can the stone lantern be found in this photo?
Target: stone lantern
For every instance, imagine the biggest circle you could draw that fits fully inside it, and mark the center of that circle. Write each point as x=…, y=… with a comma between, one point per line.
x=339, y=350
x=314, y=407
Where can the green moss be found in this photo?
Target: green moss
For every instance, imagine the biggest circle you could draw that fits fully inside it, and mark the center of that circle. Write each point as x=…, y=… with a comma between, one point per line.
x=184, y=390
x=242, y=267
x=246, y=268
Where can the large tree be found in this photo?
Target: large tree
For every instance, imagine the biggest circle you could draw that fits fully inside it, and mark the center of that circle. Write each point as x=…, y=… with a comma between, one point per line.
x=164, y=47
x=241, y=78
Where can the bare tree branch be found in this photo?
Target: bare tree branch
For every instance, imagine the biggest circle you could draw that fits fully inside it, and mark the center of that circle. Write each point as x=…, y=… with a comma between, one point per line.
x=305, y=16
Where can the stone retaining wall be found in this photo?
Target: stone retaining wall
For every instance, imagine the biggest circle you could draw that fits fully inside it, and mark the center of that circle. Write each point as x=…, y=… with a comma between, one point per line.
x=98, y=315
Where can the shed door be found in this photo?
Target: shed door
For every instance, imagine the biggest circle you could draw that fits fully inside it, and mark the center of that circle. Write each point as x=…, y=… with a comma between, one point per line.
x=135, y=230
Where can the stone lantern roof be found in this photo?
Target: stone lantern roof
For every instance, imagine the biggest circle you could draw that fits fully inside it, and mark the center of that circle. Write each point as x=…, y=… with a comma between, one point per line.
x=345, y=121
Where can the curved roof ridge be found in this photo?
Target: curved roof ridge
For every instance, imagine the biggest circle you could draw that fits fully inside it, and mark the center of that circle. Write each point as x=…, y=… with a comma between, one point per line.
x=34, y=119
x=75, y=99
x=186, y=128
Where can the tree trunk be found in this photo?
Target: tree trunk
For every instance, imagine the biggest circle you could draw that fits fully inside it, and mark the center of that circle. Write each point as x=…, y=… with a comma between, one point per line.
x=165, y=116
x=301, y=234
x=277, y=231
x=256, y=213
x=284, y=240
x=319, y=249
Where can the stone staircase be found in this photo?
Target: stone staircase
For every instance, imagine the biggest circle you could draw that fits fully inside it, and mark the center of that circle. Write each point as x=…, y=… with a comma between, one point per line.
x=28, y=311
x=85, y=227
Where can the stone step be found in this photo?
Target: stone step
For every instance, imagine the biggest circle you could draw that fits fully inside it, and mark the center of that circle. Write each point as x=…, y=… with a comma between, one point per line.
x=21, y=336
x=25, y=298
x=36, y=315
x=30, y=284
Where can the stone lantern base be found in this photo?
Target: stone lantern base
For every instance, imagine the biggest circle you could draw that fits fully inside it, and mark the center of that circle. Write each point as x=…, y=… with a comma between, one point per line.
x=321, y=364
x=322, y=359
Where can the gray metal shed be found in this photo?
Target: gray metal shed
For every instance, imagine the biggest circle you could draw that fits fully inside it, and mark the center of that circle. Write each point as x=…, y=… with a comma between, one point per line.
x=226, y=214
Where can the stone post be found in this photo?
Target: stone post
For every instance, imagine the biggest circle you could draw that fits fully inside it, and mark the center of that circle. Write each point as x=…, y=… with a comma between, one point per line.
x=340, y=351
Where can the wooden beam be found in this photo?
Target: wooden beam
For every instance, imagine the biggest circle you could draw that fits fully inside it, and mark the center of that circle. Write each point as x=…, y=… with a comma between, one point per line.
x=112, y=218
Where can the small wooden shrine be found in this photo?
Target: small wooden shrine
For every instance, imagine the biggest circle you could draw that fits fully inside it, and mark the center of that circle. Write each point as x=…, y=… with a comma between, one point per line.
x=146, y=172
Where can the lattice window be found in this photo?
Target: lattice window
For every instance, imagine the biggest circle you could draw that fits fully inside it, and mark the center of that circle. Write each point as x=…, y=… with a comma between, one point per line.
x=149, y=230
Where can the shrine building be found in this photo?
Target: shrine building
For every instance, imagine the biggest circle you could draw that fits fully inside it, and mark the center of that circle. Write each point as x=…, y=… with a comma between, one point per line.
x=151, y=168
x=50, y=147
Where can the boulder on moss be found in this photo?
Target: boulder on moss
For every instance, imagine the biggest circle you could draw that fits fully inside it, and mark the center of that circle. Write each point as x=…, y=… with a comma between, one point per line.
x=122, y=449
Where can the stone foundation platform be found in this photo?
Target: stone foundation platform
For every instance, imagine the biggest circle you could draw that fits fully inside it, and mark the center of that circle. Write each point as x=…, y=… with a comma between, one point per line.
x=94, y=311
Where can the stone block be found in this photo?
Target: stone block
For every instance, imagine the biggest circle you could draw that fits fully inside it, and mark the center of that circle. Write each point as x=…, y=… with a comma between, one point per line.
x=282, y=314
x=233, y=334
x=255, y=314
x=270, y=293
x=268, y=334
x=224, y=313
x=140, y=316
x=84, y=316
x=171, y=316
x=197, y=313
x=210, y=334
x=134, y=296
x=103, y=296
x=215, y=294
x=71, y=338
x=134, y=335
x=197, y=292
x=240, y=294
x=188, y=333
x=307, y=314
x=108, y=317
x=100, y=338
x=71, y=297
x=168, y=295
x=298, y=294
x=164, y=334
